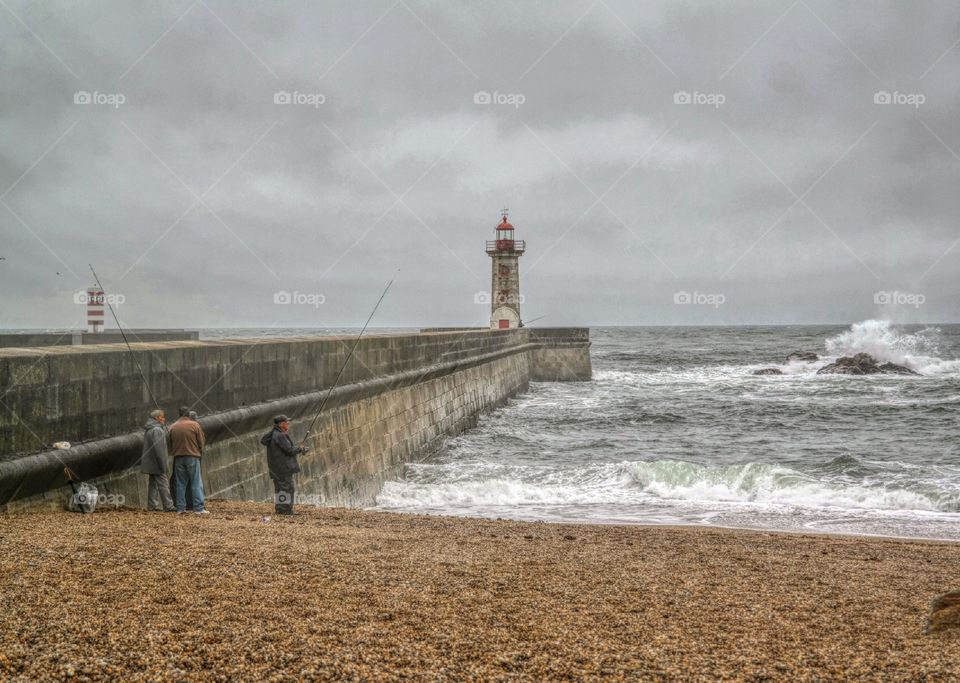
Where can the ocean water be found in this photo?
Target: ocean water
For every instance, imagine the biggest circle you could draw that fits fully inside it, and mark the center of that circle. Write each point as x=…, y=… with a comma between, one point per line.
x=675, y=429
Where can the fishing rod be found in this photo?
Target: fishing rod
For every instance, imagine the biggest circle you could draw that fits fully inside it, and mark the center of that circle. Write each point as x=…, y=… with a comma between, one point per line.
x=534, y=320
x=123, y=334
x=344, y=366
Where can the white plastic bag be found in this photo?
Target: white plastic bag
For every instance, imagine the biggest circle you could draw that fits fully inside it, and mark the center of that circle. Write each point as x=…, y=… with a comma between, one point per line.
x=84, y=497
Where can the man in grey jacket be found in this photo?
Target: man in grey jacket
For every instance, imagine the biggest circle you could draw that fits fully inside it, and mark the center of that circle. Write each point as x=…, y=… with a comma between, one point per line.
x=154, y=463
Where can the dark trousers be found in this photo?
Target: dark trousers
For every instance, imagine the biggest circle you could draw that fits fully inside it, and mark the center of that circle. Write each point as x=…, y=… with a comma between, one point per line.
x=283, y=495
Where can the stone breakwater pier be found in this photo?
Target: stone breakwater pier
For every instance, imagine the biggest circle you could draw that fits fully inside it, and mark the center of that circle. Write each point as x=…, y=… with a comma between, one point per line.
x=399, y=397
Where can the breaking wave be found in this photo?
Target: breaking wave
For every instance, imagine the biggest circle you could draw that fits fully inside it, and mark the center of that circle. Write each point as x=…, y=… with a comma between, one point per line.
x=885, y=342
x=676, y=429
x=490, y=485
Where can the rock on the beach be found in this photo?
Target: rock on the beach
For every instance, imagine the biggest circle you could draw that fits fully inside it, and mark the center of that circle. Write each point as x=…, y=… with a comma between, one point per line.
x=863, y=364
x=944, y=612
x=768, y=371
x=805, y=356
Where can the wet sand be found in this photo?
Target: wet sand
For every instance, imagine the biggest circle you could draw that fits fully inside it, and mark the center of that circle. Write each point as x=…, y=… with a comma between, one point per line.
x=349, y=595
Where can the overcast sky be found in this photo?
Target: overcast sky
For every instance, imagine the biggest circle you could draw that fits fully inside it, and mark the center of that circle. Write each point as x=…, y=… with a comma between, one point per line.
x=787, y=190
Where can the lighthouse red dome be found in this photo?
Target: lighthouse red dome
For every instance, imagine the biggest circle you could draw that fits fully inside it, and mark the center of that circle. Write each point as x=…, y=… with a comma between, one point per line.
x=505, y=242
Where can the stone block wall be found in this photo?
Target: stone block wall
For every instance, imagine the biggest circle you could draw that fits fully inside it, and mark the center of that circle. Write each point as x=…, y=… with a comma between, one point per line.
x=399, y=397
x=560, y=354
x=78, y=338
x=84, y=393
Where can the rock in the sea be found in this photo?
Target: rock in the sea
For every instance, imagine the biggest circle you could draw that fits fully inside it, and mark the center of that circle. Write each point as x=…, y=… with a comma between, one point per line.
x=805, y=356
x=944, y=612
x=863, y=364
x=893, y=368
x=768, y=371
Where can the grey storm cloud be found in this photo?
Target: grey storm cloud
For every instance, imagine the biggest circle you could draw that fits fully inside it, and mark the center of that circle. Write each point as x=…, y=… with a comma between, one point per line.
x=797, y=158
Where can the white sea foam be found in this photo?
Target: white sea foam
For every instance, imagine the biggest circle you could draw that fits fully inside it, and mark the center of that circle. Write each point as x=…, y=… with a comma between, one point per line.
x=634, y=483
x=773, y=484
x=696, y=439
x=882, y=340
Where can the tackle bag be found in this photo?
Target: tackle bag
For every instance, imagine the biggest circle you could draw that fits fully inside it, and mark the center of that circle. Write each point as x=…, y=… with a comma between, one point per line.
x=84, y=497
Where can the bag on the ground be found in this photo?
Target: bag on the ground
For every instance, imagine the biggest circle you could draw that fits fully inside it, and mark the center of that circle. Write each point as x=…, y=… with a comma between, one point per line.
x=84, y=496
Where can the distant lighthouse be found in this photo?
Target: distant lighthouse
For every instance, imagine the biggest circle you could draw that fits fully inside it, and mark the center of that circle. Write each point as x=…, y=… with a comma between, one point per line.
x=95, y=317
x=505, y=253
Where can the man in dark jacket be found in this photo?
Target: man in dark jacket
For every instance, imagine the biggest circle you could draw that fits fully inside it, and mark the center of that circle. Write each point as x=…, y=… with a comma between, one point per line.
x=282, y=463
x=154, y=463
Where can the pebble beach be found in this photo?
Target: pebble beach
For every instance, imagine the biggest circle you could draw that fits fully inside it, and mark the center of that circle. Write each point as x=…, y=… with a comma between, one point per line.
x=336, y=594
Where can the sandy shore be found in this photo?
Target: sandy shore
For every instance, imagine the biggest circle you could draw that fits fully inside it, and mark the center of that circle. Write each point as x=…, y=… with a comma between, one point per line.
x=343, y=594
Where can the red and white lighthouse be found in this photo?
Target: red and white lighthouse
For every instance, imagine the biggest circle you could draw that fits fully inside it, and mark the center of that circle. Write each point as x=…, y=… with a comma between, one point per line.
x=505, y=252
x=95, y=317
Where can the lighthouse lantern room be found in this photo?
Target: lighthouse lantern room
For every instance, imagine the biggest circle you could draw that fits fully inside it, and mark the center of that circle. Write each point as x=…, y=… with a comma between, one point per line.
x=505, y=252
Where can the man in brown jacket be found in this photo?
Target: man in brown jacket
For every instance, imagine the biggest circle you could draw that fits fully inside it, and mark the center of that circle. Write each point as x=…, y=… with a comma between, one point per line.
x=188, y=441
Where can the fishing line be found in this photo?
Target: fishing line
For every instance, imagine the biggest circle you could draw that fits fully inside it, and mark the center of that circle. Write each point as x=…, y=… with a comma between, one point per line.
x=344, y=366
x=123, y=334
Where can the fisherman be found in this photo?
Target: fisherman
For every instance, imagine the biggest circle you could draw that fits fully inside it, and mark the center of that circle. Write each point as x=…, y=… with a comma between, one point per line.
x=154, y=463
x=282, y=463
x=188, y=442
x=189, y=491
